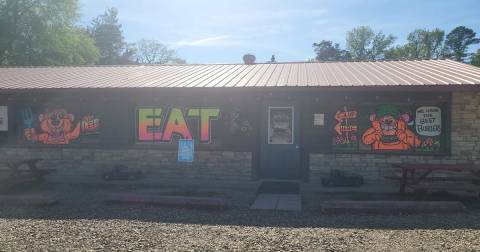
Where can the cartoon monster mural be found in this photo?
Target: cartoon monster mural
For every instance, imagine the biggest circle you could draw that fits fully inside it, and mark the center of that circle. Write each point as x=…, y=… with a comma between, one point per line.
x=389, y=130
x=56, y=126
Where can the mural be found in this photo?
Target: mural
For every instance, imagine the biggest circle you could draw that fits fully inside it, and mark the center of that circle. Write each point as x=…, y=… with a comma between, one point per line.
x=389, y=130
x=346, y=130
x=237, y=124
x=56, y=126
x=428, y=125
x=156, y=124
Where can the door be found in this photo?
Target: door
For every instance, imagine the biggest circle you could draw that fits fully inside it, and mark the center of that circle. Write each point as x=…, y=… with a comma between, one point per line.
x=280, y=151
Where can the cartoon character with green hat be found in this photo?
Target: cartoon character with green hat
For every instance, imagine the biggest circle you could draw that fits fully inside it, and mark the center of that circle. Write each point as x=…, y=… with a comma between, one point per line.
x=389, y=130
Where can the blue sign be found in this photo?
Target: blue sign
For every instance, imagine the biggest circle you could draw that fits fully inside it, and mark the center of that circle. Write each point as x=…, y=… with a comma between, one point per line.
x=185, y=150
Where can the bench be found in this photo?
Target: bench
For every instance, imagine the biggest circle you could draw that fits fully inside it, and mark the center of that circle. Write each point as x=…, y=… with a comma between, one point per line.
x=434, y=177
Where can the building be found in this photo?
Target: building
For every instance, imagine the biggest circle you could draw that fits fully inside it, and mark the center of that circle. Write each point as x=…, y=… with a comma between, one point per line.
x=294, y=121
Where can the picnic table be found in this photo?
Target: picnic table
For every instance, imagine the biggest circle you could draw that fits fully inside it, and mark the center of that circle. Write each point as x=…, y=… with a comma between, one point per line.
x=24, y=169
x=422, y=177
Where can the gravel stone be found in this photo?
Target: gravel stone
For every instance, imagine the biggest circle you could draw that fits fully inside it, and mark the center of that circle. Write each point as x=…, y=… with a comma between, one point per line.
x=98, y=227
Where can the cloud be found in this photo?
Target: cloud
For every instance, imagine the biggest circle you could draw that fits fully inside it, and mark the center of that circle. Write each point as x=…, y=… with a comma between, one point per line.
x=220, y=40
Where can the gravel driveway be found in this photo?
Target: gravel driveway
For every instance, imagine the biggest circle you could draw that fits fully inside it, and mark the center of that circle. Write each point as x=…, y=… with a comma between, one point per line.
x=142, y=228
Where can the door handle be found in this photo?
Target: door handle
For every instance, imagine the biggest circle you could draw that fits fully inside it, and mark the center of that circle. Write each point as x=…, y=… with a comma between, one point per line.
x=297, y=147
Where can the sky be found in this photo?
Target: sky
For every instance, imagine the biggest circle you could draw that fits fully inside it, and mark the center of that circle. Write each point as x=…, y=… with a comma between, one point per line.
x=216, y=31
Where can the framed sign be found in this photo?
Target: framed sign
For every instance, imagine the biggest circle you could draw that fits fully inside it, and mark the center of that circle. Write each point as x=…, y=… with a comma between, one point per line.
x=3, y=118
x=185, y=150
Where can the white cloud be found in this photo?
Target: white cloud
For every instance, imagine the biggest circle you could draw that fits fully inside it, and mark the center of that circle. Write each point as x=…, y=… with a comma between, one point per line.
x=220, y=40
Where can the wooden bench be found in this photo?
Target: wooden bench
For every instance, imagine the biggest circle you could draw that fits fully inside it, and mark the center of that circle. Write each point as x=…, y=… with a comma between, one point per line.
x=435, y=177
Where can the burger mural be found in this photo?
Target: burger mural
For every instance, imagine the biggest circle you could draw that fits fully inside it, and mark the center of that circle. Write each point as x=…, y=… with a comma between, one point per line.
x=389, y=130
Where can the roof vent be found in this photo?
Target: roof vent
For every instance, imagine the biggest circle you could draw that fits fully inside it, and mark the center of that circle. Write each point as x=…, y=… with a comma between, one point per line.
x=249, y=59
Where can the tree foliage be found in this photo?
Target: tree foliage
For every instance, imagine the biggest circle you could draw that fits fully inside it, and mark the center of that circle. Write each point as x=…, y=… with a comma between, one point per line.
x=153, y=52
x=107, y=33
x=476, y=59
x=327, y=51
x=422, y=44
x=364, y=44
x=43, y=32
x=458, y=41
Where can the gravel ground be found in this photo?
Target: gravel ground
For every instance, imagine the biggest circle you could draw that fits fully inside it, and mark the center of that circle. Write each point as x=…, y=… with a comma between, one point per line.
x=82, y=222
x=145, y=228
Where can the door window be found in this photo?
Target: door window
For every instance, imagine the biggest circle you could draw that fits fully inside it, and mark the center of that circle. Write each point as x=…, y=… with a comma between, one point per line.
x=280, y=125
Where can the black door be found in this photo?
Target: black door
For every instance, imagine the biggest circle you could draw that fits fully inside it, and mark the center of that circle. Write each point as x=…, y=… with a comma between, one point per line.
x=280, y=149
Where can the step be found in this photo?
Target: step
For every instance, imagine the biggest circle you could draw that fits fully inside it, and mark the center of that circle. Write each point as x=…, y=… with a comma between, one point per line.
x=30, y=199
x=166, y=200
x=392, y=207
x=280, y=202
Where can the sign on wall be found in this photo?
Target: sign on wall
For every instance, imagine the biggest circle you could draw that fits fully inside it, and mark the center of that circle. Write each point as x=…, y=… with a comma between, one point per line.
x=346, y=129
x=3, y=118
x=185, y=150
x=389, y=127
x=159, y=124
x=56, y=126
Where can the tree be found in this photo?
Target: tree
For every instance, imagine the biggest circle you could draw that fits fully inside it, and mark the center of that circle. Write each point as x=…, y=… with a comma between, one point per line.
x=67, y=46
x=422, y=44
x=107, y=33
x=458, y=41
x=364, y=44
x=327, y=51
x=153, y=52
x=476, y=59
x=43, y=32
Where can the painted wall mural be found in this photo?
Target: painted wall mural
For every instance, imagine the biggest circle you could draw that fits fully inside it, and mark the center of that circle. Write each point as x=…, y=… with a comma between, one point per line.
x=389, y=127
x=346, y=129
x=56, y=126
x=158, y=124
x=389, y=130
x=238, y=124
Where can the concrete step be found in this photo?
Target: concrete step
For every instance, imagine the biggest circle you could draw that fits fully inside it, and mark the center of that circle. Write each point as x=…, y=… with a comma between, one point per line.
x=392, y=207
x=282, y=202
x=28, y=199
x=166, y=200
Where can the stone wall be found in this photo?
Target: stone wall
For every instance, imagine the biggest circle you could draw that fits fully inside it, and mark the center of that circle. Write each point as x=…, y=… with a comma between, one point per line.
x=88, y=165
x=465, y=147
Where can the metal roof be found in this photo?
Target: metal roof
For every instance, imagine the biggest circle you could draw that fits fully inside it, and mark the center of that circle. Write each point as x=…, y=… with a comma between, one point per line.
x=317, y=74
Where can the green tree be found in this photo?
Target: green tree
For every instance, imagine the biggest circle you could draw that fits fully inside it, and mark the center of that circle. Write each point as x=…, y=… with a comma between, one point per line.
x=476, y=59
x=153, y=52
x=107, y=33
x=422, y=44
x=398, y=52
x=43, y=32
x=364, y=44
x=458, y=41
x=327, y=51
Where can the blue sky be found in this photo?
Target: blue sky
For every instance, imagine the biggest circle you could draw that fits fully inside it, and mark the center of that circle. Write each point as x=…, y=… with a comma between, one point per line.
x=222, y=31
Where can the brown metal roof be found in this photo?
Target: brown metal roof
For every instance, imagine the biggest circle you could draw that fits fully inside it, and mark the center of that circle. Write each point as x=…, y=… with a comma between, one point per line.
x=342, y=74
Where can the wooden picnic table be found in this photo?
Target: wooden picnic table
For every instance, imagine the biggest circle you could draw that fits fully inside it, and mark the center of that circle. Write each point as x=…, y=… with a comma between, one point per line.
x=414, y=174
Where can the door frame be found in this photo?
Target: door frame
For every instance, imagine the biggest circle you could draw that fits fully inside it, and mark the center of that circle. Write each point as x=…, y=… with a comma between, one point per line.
x=264, y=124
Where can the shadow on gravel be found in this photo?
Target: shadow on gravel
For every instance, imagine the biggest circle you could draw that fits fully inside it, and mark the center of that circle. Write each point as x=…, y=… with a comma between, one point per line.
x=84, y=204
x=232, y=217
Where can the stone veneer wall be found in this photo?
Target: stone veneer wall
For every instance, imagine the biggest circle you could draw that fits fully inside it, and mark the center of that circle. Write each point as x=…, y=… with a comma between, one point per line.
x=88, y=165
x=465, y=147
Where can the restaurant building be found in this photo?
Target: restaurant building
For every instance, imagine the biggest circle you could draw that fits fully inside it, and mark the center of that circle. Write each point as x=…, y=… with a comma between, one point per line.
x=248, y=122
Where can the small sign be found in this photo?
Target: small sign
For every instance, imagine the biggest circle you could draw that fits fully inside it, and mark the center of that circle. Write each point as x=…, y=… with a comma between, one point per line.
x=319, y=119
x=3, y=118
x=185, y=150
x=428, y=121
